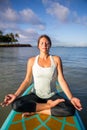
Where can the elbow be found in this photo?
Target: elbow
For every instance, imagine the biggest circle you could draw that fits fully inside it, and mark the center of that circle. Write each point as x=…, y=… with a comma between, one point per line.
x=61, y=80
x=26, y=82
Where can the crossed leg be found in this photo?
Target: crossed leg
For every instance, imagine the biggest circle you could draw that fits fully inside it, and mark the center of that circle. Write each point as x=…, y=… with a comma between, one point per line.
x=31, y=104
x=44, y=108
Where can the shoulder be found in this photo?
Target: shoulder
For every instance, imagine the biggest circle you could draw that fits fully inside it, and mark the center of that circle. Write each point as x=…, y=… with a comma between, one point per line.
x=31, y=61
x=57, y=59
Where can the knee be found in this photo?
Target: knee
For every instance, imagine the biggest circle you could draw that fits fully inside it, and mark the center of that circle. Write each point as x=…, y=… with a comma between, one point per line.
x=15, y=106
x=63, y=109
x=71, y=111
x=63, y=112
x=70, y=108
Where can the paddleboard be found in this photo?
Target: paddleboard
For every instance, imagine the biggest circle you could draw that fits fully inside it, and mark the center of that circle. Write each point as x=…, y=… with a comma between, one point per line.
x=15, y=121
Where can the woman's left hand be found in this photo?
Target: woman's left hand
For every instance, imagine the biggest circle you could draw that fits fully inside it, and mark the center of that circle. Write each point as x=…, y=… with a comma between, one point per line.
x=76, y=102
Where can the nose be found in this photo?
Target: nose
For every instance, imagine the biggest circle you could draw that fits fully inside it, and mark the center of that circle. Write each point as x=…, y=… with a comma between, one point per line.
x=45, y=44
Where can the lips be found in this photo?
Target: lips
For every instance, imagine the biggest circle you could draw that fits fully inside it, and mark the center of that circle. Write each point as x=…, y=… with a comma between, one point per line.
x=44, y=48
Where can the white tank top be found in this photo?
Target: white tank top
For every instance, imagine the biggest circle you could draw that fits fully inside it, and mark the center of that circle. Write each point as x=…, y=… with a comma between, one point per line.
x=44, y=79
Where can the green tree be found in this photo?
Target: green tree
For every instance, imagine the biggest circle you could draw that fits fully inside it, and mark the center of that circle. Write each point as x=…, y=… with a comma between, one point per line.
x=16, y=36
x=1, y=33
x=11, y=35
x=8, y=38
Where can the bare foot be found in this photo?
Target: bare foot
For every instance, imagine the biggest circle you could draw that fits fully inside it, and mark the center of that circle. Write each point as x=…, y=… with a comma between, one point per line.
x=27, y=114
x=55, y=102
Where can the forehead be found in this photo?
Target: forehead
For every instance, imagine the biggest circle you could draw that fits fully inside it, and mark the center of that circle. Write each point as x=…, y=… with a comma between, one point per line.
x=43, y=39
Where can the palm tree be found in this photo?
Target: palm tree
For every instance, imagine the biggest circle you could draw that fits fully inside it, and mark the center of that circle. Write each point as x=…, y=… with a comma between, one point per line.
x=16, y=36
x=1, y=33
x=11, y=35
x=10, y=38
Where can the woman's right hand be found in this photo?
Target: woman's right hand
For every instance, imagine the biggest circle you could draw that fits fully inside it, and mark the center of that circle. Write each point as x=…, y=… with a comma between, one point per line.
x=8, y=99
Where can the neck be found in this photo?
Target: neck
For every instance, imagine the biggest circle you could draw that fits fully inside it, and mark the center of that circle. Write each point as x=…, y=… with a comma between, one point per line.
x=44, y=56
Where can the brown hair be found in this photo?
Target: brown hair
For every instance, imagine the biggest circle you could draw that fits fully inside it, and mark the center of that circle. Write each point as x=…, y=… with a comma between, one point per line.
x=47, y=37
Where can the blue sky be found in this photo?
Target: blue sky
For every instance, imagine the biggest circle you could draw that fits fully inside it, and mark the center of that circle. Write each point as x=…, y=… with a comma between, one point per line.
x=65, y=21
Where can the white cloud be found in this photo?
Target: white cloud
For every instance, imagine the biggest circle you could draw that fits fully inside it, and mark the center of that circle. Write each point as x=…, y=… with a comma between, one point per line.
x=28, y=36
x=11, y=19
x=79, y=20
x=57, y=10
x=9, y=15
x=24, y=16
x=6, y=26
x=63, y=13
x=28, y=16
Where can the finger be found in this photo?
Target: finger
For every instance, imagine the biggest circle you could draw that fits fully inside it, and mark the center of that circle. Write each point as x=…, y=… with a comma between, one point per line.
x=7, y=98
x=61, y=100
x=9, y=102
x=77, y=106
x=2, y=104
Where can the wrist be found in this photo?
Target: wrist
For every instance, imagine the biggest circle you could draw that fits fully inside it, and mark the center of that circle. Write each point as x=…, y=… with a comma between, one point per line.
x=15, y=95
x=71, y=98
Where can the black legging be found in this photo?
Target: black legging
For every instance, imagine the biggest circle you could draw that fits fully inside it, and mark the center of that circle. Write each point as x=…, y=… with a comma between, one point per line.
x=27, y=103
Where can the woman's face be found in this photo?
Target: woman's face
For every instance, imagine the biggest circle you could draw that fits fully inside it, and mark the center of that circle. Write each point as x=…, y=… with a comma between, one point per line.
x=44, y=45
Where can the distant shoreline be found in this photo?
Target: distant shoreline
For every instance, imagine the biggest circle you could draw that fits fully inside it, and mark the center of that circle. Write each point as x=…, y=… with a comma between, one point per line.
x=15, y=45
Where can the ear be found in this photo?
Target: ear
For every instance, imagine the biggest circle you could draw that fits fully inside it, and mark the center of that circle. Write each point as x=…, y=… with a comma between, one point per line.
x=38, y=46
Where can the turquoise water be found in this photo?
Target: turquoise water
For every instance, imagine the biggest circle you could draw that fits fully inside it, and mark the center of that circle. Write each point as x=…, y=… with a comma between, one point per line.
x=13, y=68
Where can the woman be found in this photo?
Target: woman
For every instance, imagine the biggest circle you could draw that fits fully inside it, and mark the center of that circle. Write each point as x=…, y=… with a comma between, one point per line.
x=44, y=69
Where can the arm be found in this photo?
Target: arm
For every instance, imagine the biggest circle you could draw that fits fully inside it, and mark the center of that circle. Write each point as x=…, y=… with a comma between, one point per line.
x=75, y=101
x=62, y=80
x=27, y=81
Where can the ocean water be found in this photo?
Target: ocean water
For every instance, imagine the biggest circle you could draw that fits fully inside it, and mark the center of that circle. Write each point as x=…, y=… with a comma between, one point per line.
x=13, y=63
